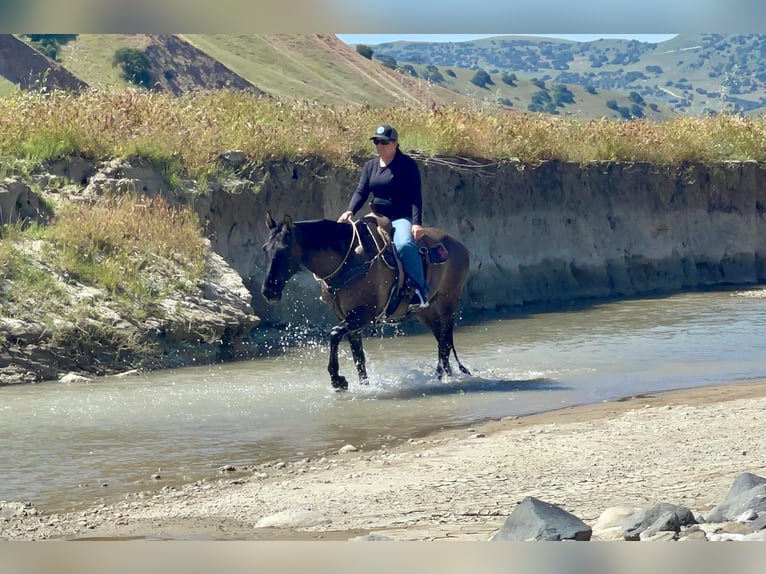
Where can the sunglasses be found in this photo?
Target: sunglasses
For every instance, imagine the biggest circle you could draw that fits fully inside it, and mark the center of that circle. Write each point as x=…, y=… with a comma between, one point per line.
x=381, y=142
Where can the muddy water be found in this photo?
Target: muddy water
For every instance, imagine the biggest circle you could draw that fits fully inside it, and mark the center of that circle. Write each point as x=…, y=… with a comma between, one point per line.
x=64, y=445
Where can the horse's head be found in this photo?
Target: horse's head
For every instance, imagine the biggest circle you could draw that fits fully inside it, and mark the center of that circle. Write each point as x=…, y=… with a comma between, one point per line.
x=282, y=257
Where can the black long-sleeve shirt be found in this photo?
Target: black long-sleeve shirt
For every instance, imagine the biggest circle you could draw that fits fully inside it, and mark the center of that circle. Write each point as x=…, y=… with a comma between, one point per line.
x=396, y=188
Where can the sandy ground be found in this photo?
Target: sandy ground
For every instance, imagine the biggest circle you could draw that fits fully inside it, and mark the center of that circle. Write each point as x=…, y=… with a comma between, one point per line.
x=683, y=447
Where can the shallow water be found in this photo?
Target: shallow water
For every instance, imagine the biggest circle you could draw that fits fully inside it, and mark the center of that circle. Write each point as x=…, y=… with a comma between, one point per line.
x=64, y=445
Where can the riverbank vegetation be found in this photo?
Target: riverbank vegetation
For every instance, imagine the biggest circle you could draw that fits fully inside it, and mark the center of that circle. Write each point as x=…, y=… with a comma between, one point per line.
x=191, y=132
x=136, y=249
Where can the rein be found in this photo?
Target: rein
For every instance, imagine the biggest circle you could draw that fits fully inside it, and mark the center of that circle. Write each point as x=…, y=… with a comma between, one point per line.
x=354, y=236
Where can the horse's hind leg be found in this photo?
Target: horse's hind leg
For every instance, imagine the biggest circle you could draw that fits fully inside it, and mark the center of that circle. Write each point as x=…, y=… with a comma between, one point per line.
x=449, y=345
x=337, y=380
x=357, y=351
x=443, y=331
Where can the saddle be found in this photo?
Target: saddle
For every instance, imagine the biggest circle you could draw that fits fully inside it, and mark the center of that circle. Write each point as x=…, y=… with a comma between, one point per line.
x=376, y=238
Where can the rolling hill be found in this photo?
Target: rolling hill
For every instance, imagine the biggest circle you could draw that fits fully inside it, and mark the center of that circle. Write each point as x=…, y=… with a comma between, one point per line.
x=696, y=74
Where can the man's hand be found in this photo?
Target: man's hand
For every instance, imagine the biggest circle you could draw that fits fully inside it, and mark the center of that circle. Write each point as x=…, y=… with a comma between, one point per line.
x=418, y=232
x=345, y=217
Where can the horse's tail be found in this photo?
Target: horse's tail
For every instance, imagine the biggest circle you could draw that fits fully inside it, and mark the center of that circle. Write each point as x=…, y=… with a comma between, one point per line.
x=462, y=368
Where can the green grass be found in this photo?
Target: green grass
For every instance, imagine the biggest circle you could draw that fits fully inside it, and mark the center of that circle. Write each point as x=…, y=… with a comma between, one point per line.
x=27, y=289
x=90, y=56
x=7, y=88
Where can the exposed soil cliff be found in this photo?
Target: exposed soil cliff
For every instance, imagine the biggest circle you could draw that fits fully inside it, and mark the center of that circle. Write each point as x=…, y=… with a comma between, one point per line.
x=537, y=234
x=25, y=66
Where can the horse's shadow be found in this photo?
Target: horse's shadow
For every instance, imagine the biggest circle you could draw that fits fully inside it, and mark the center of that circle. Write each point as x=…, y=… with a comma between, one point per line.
x=414, y=387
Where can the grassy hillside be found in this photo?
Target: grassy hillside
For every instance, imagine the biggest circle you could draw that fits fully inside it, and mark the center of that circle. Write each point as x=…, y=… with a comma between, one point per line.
x=314, y=68
x=695, y=73
x=321, y=68
x=7, y=88
x=521, y=93
x=90, y=57
x=690, y=74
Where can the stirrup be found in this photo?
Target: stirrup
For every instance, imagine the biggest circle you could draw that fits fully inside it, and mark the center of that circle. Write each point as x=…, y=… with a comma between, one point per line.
x=418, y=302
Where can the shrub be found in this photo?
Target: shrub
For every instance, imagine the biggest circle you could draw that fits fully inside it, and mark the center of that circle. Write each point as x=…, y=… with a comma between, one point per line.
x=387, y=61
x=136, y=67
x=50, y=44
x=365, y=51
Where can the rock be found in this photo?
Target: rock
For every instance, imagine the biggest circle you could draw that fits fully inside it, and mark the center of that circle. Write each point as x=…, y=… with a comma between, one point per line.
x=692, y=534
x=746, y=494
x=74, y=378
x=292, y=518
x=371, y=538
x=609, y=524
x=759, y=536
x=661, y=517
x=759, y=523
x=534, y=519
x=662, y=536
x=347, y=448
x=726, y=537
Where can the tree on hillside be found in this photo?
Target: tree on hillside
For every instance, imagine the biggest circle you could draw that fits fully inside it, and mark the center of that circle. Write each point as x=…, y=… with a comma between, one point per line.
x=387, y=61
x=509, y=78
x=135, y=64
x=432, y=74
x=365, y=51
x=50, y=44
x=482, y=79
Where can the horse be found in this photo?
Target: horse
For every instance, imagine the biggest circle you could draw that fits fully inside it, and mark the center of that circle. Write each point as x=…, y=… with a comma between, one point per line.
x=363, y=283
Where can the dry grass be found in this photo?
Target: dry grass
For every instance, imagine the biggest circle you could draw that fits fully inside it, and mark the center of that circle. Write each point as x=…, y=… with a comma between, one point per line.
x=194, y=130
x=137, y=248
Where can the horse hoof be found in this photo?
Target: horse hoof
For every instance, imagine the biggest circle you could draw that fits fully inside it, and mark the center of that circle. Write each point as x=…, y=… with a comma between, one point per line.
x=340, y=384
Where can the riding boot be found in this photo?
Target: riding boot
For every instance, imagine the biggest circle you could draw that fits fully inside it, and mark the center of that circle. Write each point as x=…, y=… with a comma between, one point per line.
x=413, y=268
x=408, y=253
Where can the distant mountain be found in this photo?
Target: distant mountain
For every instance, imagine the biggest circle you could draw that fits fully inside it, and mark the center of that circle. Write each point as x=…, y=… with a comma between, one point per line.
x=694, y=74
x=606, y=78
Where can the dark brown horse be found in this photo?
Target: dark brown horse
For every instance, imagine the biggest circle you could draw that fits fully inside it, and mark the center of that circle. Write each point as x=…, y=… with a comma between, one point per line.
x=362, y=281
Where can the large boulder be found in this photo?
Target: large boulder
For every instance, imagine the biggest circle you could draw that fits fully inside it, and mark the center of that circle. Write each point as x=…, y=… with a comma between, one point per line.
x=534, y=519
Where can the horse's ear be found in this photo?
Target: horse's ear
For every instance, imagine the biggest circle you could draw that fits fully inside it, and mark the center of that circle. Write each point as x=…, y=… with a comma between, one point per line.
x=289, y=222
x=270, y=223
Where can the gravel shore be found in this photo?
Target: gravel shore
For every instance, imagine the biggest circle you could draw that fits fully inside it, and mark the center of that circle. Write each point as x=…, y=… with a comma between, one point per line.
x=682, y=447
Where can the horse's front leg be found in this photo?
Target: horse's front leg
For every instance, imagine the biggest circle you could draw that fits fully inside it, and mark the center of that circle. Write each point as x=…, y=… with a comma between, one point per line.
x=339, y=382
x=357, y=351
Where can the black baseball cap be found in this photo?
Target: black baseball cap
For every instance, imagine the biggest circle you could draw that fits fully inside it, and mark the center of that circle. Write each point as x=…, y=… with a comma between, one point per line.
x=385, y=132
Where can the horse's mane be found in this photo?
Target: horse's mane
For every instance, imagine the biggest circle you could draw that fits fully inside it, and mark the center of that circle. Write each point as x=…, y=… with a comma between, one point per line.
x=324, y=233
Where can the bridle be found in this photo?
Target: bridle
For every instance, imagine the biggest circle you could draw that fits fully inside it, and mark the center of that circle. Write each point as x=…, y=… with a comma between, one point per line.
x=354, y=237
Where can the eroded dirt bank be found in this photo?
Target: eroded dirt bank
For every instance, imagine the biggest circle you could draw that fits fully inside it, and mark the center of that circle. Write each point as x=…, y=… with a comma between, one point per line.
x=537, y=234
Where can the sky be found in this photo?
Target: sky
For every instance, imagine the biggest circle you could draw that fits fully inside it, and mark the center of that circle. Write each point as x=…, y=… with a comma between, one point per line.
x=373, y=39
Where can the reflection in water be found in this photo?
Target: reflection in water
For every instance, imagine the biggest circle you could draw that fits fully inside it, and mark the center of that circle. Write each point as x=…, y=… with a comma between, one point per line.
x=65, y=444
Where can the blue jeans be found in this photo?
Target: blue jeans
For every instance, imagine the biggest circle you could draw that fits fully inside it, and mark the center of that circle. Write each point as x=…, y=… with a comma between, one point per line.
x=407, y=250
